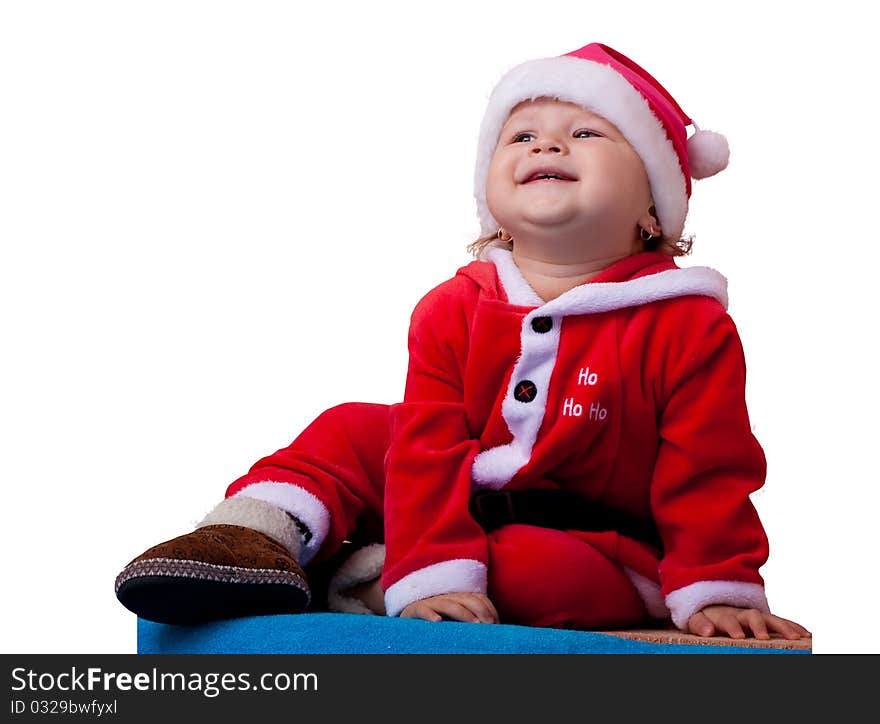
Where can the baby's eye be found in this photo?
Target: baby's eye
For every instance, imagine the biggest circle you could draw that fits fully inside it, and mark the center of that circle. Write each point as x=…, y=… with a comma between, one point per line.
x=518, y=136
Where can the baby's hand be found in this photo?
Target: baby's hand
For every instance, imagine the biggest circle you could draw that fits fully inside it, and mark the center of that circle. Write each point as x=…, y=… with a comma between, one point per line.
x=730, y=620
x=468, y=607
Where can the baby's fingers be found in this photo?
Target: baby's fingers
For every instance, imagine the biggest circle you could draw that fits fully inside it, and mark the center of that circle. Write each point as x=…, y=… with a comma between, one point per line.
x=482, y=606
x=731, y=626
x=755, y=620
x=700, y=625
x=455, y=610
x=789, y=629
x=421, y=610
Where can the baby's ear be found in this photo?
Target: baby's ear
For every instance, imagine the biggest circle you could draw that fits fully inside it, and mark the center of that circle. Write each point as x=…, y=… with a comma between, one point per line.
x=651, y=222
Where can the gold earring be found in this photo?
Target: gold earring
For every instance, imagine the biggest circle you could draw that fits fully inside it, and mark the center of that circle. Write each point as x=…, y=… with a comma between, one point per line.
x=501, y=233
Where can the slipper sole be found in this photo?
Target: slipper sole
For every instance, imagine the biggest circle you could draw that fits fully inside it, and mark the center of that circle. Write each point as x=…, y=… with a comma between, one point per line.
x=187, y=592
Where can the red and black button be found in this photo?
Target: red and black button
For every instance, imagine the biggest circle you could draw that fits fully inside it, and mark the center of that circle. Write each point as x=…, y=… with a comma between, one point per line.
x=542, y=324
x=525, y=391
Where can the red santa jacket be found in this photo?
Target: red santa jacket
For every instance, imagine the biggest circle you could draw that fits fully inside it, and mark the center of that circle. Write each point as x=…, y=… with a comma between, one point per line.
x=628, y=390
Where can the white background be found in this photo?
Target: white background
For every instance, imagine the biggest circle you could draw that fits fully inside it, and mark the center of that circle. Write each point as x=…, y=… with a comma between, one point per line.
x=216, y=218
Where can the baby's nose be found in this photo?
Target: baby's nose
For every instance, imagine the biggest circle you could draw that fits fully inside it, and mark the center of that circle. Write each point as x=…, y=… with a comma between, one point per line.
x=549, y=146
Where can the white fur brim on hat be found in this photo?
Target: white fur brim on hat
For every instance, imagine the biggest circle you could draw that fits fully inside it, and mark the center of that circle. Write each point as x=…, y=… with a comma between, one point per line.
x=600, y=89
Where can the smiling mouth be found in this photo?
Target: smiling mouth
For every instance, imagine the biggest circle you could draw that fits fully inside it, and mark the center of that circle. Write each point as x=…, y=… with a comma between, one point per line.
x=548, y=175
x=548, y=182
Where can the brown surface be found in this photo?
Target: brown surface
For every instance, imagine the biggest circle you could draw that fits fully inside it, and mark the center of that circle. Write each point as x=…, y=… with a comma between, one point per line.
x=216, y=572
x=225, y=545
x=674, y=636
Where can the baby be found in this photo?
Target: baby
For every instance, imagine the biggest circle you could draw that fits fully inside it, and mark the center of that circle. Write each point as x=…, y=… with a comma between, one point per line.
x=573, y=448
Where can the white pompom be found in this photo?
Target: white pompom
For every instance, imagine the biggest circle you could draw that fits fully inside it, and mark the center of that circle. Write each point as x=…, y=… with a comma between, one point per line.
x=708, y=153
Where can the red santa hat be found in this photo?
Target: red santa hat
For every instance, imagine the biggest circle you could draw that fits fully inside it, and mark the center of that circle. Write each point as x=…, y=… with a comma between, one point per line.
x=606, y=82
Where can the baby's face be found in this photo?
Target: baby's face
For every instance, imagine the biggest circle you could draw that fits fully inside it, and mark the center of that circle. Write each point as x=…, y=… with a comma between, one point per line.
x=610, y=190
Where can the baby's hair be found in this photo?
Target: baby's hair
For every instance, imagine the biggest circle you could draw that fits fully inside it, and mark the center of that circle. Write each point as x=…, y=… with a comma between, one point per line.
x=681, y=247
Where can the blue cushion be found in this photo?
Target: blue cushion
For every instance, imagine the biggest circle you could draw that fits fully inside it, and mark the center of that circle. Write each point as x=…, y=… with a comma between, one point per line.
x=349, y=633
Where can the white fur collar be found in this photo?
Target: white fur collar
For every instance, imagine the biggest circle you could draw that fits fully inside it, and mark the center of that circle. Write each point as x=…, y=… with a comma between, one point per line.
x=605, y=296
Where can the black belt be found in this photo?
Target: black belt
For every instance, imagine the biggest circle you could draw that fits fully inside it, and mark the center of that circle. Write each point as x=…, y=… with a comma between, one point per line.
x=555, y=508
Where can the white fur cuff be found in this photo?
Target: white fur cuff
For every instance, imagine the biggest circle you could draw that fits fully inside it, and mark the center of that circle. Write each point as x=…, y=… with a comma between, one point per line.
x=297, y=501
x=258, y=515
x=461, y=575
x=685, y=602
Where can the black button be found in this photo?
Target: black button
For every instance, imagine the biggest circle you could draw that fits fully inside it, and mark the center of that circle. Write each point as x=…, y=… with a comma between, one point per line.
x=542, y=324
x=525, y=391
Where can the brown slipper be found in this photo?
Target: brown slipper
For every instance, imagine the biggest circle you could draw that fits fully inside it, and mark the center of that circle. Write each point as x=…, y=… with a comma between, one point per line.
x=215, y=572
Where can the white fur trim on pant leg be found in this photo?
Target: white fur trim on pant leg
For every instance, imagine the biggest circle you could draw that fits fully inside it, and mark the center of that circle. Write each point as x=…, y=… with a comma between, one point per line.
x=363, y=565
x=460, y=575
x=685, y=602
x=296, y=501
x=259, y=515
x=649, y=591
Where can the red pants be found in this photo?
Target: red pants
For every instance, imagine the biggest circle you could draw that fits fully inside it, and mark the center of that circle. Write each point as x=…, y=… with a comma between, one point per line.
x=536, y=576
